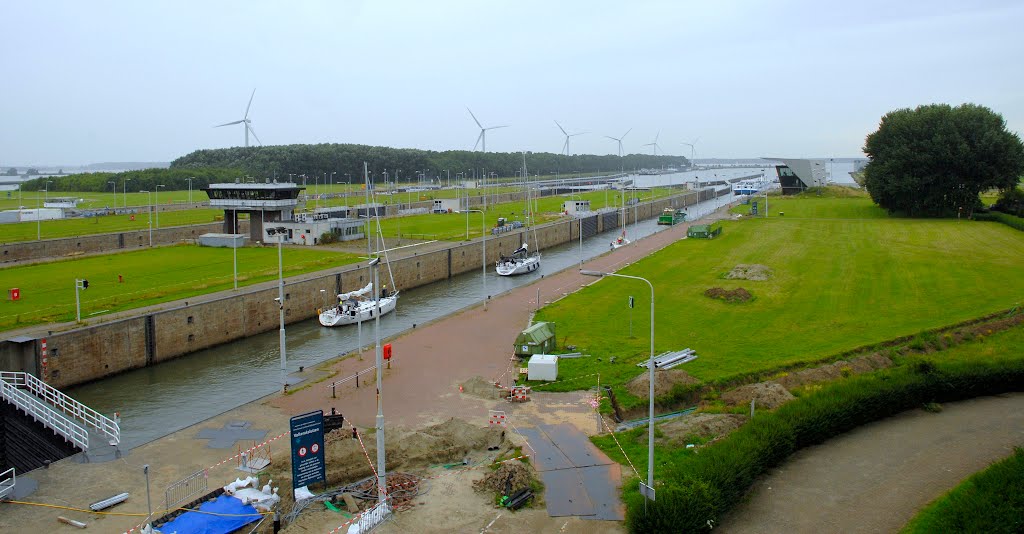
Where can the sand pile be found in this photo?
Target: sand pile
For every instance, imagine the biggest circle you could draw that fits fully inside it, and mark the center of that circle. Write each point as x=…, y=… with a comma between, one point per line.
x=680, y=431
x=664, y=380
x=832, y=371
x=735, y=295
x=484, y=389
x=514, y=473
x=751, y=271
x=768, y=395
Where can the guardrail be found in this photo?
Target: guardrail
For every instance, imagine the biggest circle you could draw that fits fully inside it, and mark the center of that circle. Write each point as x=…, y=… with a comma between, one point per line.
x=42, y=413
x=186, y=488
x=7, y=481
x=64, y=403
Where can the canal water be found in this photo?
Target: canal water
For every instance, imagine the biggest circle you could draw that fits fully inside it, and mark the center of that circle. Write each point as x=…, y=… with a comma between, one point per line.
x=158, y=400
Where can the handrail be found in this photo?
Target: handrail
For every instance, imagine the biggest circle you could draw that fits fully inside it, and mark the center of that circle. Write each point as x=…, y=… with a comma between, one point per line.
x=64, y=403
x=8, y=479
x=44, y=414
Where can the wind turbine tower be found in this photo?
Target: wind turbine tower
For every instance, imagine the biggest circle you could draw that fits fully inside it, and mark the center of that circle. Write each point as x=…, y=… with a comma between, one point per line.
x=692, y=150
x=565, y=147
x=246, y=121
x=619, y=140
x=654, y=145
x=481, y=140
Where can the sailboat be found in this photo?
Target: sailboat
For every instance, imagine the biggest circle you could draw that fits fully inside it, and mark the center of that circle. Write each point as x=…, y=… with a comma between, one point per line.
x=361, y=305
x=621, y=241
x=521, y=261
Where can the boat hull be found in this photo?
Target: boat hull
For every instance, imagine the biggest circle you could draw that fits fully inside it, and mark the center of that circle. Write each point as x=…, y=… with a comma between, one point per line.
x=364, y=312
x=518, y=266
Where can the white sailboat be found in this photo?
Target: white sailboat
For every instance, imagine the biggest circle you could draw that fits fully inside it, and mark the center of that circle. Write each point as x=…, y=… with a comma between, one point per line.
x=622, y=241
x=521, y=261
x=360, y=305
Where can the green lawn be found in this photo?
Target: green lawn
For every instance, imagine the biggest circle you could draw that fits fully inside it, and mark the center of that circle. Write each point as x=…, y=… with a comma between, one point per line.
x=838, y=283
x=150, y=276
x=27, y=231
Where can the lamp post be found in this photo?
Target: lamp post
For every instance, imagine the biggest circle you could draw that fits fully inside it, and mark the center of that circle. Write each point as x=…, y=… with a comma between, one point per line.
x=149, y=209
x=190, y=189
x=156, y=207
x=650, y=367
x=46, y=191
x=124, y=187
x=280, y=231
x=39, y=224
x=483, y=232
x=113, y=188
x=379, y=362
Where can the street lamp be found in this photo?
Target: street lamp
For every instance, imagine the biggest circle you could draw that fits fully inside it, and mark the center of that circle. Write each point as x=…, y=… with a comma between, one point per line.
x=483, y=232
x=649, y=493
x=113, y=188
x=379, y=361
x=190, y=189
x=124, y=186
x=280, y=231
x=149, y=209
x=39, y=224
x=156, y=207
x=46, y=191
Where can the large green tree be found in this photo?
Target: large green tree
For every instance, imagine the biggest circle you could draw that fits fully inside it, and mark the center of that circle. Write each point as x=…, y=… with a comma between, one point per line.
x=934, y=160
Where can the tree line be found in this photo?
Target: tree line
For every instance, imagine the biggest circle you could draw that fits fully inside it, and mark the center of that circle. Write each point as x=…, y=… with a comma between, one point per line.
x=146, y=179
x=346, y=162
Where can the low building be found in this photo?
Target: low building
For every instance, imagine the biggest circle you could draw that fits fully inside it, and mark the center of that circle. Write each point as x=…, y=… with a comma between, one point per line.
x=572, y=207
x=537, y=339
x=446, y=205
x=796, y=175
x=267, y=203
x=223, y=240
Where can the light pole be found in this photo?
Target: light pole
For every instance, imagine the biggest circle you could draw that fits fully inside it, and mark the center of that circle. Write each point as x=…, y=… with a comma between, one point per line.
x=46, y=191
x=156, y=207
x=39, y=224
x=280, y=231
x=649, y=493
x=190, y=189
x=78, y=302
x=149, y=209
x=483, y=232
x=113, y=188
x=379, y=362
x=124, y=186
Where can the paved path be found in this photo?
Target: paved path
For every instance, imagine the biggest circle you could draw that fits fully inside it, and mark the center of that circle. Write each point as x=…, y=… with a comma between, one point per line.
x=877, y=477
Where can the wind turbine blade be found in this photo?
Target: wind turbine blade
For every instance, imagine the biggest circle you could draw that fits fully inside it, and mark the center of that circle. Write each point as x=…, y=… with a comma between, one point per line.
x=250, y=103
x=565, y=146
x=695, y=140
x=560, y=128
x=625, y=134
x=612, y=138
x=478, y=138
x=496, y=127
x=229, y=123
x=474, y=118
x=253, y=132
x=656, y=137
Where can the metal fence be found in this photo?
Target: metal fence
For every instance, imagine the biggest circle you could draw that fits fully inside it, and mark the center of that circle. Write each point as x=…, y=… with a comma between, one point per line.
x=47, y=416
x=187, y=488
x=7, y=482
x=67, y=405
x=373, y=517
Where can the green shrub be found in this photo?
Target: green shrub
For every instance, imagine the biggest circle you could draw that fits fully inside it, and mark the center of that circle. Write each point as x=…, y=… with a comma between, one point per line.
x=1016, y=223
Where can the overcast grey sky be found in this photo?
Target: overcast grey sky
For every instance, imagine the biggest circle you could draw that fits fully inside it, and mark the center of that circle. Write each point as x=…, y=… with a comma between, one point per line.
x=146, y=81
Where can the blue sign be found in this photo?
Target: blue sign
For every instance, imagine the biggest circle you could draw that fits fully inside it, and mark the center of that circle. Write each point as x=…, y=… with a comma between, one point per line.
x=307, y=434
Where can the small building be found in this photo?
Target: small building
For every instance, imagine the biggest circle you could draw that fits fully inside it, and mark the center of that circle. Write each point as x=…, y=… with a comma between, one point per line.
x=267, y=204
x=537, y=339
x=65, y=203
x=796, y=175
x=705, y=231
x=25, y=215
x=542, y=367
x=572, y=207
x=311, y=228
x=446, y=205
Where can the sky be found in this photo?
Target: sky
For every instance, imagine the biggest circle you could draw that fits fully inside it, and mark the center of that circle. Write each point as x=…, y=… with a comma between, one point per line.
x=103, y=81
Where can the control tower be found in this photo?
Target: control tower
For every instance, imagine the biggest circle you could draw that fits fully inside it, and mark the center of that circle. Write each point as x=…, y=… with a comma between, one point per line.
x=268, y=202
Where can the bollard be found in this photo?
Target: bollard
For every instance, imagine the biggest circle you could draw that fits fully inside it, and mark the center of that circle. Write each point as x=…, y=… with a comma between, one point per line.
x=357, y=379
x=333, y=396
x=277, y=522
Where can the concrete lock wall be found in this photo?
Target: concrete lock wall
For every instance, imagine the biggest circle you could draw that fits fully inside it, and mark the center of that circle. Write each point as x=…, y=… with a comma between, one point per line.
x=89, y=244
x=86, y=354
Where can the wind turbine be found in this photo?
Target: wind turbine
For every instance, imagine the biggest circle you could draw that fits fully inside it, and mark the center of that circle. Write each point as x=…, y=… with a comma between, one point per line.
x=565, y=147
x=482, y=139
x=246, y=121
x=692, y=150
x=655, y=143
x=619, y=140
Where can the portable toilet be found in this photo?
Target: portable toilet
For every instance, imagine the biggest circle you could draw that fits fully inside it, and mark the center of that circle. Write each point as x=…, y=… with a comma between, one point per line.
x=542, y=367
x=537, y=339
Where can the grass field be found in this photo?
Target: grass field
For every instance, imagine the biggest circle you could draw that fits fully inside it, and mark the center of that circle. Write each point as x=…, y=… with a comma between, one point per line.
x=839, y=283
x=27, y=231
x=150, y=276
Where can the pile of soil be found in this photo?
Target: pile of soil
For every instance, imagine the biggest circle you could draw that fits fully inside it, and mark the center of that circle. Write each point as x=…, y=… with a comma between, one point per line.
x=515, y=473
x=664, y=380
x=736, y=295
x=832, y=371
x=482, y=388
x=768, y=395
x=751, y=271
x=679, y=431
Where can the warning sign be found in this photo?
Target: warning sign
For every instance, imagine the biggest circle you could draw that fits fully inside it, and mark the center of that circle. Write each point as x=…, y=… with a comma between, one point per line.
x=307, y=432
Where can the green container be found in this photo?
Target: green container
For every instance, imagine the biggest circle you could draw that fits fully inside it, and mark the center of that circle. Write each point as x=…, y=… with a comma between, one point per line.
x=705, y=231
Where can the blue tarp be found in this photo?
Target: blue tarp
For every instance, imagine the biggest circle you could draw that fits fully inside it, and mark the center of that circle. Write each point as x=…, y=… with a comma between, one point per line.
x=238, y=516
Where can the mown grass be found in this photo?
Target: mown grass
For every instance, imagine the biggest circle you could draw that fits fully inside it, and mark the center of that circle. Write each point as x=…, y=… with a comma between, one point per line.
x=27, y=231
x=989, y=501
x=695, y=487
x=150, y=276
x=838, y=284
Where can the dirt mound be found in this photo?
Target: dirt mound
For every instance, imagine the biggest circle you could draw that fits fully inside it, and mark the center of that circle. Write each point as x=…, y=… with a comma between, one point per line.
x=735, y=295
x=450, y=441
x=680, y=431
x=664, y=380
x=768, y=395
x=752, y=271
x=482, y=388
x=515, y=474
x=832, y=371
